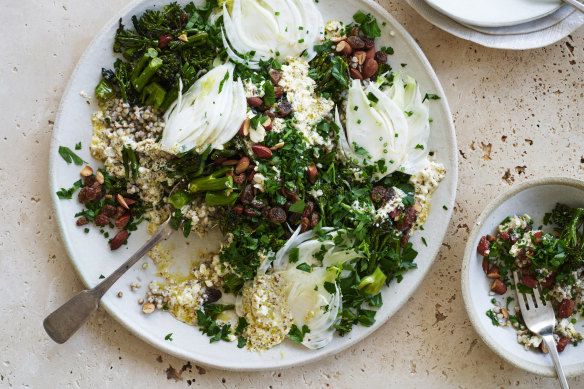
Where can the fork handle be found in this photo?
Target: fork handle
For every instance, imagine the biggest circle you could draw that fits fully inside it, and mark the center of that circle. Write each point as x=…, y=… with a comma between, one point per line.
x=67, y=319
x=551, y=345
x=576, y=4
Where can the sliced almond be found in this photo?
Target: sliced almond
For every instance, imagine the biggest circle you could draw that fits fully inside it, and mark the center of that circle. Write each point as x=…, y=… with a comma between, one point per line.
x=99, y=177
x=87, y=171
x=417, y=207
x=122, y=201
x=267, y=124
x=148, y=308
x=245, y=126
x=361, y=56
x=277, y=146
x=505, y=313
x=183, y=37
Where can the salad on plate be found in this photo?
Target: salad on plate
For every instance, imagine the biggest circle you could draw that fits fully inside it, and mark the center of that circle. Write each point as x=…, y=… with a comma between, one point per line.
x=292, y=136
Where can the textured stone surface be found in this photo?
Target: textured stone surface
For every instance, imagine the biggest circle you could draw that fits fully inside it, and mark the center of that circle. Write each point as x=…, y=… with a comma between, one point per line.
x=516, y=115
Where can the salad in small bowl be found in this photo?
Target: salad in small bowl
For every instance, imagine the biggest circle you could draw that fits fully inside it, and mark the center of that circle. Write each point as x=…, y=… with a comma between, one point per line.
x=535, y=229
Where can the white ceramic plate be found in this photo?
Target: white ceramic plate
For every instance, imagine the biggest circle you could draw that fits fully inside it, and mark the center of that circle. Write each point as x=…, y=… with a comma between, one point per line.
x=534, y=197
x=90, y=253
x=495, y=13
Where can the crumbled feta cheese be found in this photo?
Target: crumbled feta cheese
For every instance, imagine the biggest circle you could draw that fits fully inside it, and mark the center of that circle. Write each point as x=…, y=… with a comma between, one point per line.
x=383, y=212
x=334, y=29
x=315, y=193
x=425, y=183
x=308, y=108
x=514, y=223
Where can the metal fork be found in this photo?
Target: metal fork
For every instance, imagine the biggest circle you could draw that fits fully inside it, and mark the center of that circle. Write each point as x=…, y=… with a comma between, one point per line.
x=66, y=320
x=539, y=317
x=576, y=4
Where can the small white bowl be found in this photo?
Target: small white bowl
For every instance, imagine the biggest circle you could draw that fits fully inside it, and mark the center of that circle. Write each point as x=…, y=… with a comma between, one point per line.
x=535, y=198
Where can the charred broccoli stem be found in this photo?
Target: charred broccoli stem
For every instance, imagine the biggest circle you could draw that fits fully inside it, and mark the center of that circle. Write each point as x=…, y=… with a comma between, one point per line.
x=160, y=50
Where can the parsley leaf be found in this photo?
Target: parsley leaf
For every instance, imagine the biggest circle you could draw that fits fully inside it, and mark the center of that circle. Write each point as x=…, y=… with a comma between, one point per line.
x=296, y=334
x=294, y=254
x=69, y=156
x=67, y=194
x=304, y=267
x=168, y=337
x=297, y=207
x=269, y=97
x=368, y=24
x=430, y=96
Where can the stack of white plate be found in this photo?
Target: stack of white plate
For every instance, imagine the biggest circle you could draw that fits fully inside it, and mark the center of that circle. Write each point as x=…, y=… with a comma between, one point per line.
x=505, y=24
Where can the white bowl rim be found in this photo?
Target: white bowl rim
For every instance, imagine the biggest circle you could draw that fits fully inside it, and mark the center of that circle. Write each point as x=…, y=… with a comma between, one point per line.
x=548, y=371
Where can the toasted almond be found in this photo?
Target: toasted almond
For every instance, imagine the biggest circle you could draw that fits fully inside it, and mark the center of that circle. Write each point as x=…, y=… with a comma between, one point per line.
x=505, y=313
x=148, y=308
x=493, y=272
x=499, y=287
x=230, y=162
x=370, y=67
x=242, y=165
x=417, y=207
x=87, y=171
x=344, y=48
x=277, y=146
x=267, y=124
x=99, y=177
x=122, y=221
x=245, y=126
x=261, y=151
x=118, y=240
x=355, y=74
x=183, y=37
x=109, y=196
x=312, y=173
x=361, y=56
x=122, y=201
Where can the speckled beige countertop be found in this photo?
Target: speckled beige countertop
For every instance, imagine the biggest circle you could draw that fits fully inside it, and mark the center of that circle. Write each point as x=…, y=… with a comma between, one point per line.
x=516, y=115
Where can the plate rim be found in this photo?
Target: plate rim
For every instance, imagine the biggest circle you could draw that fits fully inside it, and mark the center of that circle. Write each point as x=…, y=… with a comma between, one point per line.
x=548, y=371
x=200, y=358
x=478, y=23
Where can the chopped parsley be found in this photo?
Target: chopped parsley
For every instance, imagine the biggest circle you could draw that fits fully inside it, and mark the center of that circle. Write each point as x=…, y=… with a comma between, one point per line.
x=296, y=334
x=430, y=96
x=69, y=156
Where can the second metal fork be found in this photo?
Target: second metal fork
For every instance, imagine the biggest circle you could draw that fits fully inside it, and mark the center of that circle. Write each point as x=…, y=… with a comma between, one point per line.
x=539, y=317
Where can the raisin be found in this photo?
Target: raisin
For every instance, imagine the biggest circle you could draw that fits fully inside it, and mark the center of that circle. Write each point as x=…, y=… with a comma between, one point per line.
x=314, y=219
x=109, y=210
x=276, y=215
x=378, y=193
x=212, y=295
x=275, y=76
x=308, y=209
x=101, y=220
x=247, y=195
x=284, y=108
x=290, y=194
x=380, y=57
